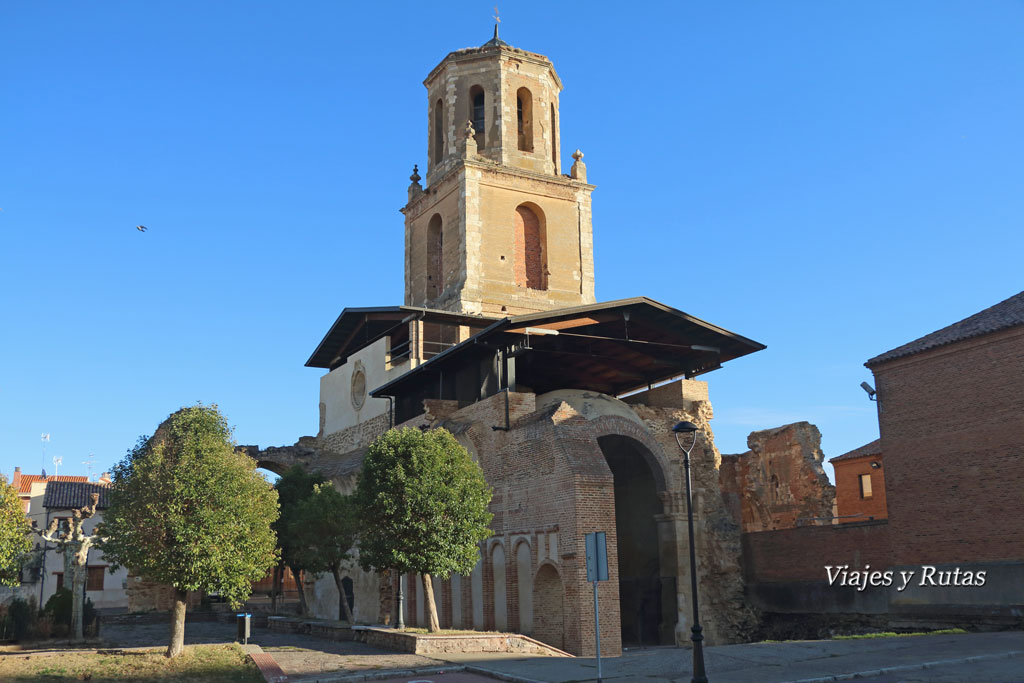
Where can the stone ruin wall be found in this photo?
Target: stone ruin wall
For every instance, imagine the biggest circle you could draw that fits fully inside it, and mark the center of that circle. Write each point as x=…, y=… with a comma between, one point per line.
x=780, y=483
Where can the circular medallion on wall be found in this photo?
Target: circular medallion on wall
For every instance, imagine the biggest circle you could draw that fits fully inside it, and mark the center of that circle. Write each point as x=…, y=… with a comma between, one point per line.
x=358, y=385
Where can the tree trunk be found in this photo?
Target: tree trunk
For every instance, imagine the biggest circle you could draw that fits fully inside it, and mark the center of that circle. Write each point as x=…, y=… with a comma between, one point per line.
x=77, y=601
x=297, y=575
x=177, y=644
x=273, y=588
x=344, y=612
x=428, y=591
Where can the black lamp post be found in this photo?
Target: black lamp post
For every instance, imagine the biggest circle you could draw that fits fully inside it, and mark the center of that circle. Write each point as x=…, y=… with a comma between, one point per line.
x=687, y=431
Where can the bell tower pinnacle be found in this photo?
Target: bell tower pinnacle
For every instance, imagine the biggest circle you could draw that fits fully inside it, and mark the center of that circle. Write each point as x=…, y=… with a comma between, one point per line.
x=498, y=230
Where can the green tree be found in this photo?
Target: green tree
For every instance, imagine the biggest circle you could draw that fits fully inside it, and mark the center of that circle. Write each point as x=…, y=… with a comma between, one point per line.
x=293, y=487
x=324, y=530
x=423, y=502
x=188, y=511
x=14, y=533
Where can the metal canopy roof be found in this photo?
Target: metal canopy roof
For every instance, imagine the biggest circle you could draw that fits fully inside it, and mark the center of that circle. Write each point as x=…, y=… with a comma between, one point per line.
x=611, y=347
x=357, y=327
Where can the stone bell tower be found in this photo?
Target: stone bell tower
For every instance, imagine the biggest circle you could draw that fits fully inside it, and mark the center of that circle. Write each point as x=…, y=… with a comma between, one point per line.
x=498, y=230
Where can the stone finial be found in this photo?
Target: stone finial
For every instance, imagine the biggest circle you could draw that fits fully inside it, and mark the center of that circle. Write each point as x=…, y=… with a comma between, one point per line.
x=414, y=187
x=579, y=169
x=468, y=143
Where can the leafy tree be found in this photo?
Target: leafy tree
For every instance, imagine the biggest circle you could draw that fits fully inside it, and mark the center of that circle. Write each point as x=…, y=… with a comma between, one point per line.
x=293, y=487
x=425, y=501
x=189, y=511
x=14, y=534
x=324, y=529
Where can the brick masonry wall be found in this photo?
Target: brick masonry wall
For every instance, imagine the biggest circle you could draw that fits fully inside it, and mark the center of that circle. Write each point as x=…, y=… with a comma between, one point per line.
x=848, y=489
x=952, y=428
x=801, y=554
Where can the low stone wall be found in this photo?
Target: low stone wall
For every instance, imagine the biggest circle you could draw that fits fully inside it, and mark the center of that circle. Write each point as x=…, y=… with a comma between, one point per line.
x=129, y=619
x=421, y=644
x=415, y=643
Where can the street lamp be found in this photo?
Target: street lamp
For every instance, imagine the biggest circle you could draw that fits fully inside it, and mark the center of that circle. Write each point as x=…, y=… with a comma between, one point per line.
x=687, y=432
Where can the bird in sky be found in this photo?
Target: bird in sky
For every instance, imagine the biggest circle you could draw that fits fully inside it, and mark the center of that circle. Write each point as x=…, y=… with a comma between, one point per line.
x=141, y=228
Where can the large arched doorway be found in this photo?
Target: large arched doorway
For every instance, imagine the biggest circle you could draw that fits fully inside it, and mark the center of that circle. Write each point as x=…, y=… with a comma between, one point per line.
x=644, y=619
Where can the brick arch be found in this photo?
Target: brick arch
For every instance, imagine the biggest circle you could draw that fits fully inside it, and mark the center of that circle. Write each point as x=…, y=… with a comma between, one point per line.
x=529, y=262
x=499, y=585
x=520, y=564
x=548, y=594
x=654, y=455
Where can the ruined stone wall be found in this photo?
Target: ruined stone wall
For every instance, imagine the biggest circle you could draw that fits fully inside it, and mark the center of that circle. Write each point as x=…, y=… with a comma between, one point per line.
x=780, y=482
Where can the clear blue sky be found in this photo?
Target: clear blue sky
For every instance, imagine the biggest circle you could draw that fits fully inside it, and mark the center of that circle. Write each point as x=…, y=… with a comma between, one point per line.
x=832, y=179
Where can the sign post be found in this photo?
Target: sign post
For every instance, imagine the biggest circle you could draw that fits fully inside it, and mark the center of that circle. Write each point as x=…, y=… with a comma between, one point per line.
x=597, y=570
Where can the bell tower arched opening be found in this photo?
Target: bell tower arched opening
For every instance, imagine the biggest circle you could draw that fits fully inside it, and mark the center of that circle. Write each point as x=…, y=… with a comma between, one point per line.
x=524, y=119
x=642, y=584
x=478, y=114
x=438, y=138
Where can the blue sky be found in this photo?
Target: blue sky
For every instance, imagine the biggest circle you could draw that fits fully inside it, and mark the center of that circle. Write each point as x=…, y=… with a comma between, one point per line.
x=831, y=179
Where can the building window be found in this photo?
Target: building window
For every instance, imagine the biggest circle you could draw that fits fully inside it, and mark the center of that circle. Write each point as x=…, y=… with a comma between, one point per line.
x=865, y=486
x=477, y=114
x=60, y=579
x=554, y=139
x=94, y=579
x=435, y=257
x=524, y=119
x=438, y=132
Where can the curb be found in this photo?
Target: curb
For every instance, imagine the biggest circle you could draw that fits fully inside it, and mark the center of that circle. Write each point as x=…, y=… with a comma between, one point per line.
x=909, y=667
x=501, y=676
x=390, y=673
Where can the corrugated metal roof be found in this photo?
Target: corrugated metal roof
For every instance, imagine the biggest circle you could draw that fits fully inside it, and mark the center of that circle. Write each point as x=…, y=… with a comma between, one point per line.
x=67, y=495
x=873, y=448
x=1004, y=315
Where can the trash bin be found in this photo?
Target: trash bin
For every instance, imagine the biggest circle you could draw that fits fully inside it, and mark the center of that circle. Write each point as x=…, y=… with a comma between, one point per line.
x=244, y=628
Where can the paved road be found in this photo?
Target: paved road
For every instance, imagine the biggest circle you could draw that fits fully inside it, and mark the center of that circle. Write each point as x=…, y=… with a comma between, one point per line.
x=791, y=661
x=990, y=657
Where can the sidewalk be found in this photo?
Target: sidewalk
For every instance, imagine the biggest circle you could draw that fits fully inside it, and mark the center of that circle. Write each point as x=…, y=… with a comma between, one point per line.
x=915, y=658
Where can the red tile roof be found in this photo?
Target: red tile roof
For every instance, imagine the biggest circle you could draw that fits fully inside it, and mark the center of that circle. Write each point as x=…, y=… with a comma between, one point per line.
x=28, y=479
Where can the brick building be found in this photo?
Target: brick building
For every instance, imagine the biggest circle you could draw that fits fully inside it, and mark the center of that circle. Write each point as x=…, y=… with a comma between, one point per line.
x=567, y=404
x=860, y=484
x=951, y=422
x=944, y=502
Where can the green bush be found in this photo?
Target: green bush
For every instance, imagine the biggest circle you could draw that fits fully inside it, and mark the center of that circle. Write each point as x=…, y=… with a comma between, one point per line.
x=58, y=608
x=19, y=621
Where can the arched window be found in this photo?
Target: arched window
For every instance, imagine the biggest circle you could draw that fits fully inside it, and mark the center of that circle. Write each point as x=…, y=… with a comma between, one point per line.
x=438, y=132
x=554, y=139
x=477, y=113
x=530, y=262
x=524, y=119
x=435, y=258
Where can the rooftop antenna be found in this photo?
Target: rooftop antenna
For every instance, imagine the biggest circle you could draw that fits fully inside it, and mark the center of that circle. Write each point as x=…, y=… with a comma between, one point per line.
x=88, y=465
x=45, y=438
x=57, y=462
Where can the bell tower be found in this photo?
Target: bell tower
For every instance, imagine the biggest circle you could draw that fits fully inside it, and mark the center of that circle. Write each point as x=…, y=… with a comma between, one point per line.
x=497, y=230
